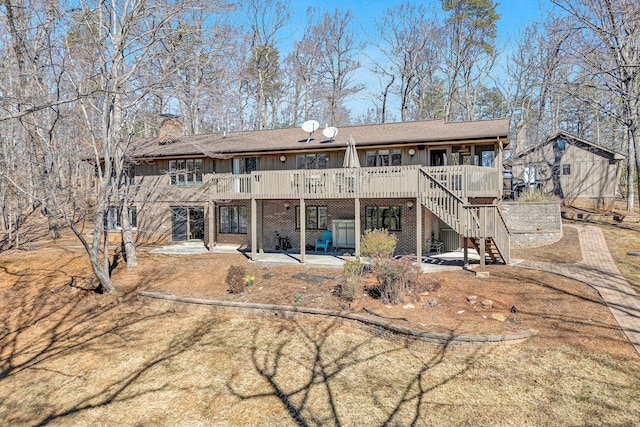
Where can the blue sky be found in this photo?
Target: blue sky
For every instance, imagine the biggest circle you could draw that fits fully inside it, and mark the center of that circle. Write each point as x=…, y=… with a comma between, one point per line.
x=514, y=16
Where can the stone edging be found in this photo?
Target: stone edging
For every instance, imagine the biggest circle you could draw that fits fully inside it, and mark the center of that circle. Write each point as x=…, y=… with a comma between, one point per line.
x=410, y=338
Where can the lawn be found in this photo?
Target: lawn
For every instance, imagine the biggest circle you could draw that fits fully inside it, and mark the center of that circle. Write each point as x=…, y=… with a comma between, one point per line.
x=70, y=357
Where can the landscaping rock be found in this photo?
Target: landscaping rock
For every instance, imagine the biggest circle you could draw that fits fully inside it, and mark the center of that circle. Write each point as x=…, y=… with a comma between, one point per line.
x=487, y=303
x=431, y=303
x=499, y=317
x=472, y=299
x=408, y=306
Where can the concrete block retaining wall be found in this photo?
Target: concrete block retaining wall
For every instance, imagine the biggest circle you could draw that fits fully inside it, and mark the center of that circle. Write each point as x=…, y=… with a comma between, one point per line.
x=533, y=223
x=421, y=341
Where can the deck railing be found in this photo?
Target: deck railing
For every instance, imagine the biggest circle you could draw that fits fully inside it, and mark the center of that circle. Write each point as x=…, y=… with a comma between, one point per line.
x=369, y=182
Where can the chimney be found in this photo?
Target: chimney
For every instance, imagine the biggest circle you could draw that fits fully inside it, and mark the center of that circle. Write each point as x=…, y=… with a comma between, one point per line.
x=169, y=128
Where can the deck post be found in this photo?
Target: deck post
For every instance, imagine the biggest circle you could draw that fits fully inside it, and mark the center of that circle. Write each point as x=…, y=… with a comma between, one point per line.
x=465, y=250
x=357, y=226
x=303, y=230
x=212, y=225
x=254, y=229
x=418, y=230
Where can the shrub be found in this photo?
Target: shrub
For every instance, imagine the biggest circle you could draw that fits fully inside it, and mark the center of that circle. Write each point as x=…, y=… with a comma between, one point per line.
x=236, y=279
x=378, y=244
x=535, y=195
x=351, y=279
x=395, y=277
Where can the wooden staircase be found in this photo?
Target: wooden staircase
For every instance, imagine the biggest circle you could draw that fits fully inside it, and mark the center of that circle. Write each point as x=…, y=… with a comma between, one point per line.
x=490, y=249
x=448, y=201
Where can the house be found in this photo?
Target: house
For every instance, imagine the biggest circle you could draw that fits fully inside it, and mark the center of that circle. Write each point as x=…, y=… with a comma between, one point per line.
x=423, y=181
x=579, y=172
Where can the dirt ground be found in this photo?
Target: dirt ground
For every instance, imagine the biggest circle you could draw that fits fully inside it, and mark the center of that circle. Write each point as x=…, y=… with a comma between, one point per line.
x=438, y=303
x=71, y=357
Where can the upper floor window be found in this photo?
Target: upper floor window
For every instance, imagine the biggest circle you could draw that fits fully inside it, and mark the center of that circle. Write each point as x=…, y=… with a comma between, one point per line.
x=185, y=171
x=485, y=155
x=129, y=173
x=312, y=161
x=244, y=165
x=566, y=169
x=384, y=158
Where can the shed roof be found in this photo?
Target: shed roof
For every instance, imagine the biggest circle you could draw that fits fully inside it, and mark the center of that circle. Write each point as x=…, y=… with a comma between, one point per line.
x=576, y=140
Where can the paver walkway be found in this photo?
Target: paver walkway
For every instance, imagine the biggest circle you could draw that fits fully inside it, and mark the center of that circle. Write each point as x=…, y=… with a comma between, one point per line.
x=598, y=269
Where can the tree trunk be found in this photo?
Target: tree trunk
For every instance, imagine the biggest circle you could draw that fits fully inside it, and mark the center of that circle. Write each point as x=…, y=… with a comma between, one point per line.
x=631, y=171
x=105, y=285
x=127, y=237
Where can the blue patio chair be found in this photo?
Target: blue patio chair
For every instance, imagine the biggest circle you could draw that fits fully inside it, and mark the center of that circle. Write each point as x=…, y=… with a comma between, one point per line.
x=323, y=243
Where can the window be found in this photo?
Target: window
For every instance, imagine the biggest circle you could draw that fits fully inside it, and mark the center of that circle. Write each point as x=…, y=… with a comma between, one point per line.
x=244, y=165
x=461, y=155
x=566, y=169
x=113, y=218
x=233, y=220
x=384, y=158
x=529, y=175
x=312, y=161
x=383, y=217
x=560, y=144
x=129, y=173
x=185, y=171
x=486, y=155
x=316, y=218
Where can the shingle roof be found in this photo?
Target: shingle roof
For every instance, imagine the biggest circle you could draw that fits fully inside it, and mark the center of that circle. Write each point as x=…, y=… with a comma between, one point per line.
x=294, y=139
x=571, y=137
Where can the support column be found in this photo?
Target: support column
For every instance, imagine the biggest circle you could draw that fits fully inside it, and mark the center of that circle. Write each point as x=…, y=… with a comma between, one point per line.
x=357, y=227
x=418, y=230
x=303, y=230
x=261, y=228
x=482, y=252
x=465, y=244
x=254, y=229
x=212, y=225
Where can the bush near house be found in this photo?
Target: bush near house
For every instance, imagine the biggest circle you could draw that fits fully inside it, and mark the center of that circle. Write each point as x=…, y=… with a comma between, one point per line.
x=352, y=276
x=394, y=276
x=236, y=279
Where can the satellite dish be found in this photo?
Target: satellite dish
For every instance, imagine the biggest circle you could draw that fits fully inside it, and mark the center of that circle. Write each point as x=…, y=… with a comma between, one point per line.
x=330, y=132
x=310, y=126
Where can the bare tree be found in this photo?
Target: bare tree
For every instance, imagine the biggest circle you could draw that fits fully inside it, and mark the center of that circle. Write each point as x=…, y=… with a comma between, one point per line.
x=192, y=57
x=337, y=49
x=407, y=37
x=265, y=18
x=605, y=44
x=82, y=77
x=469, y=51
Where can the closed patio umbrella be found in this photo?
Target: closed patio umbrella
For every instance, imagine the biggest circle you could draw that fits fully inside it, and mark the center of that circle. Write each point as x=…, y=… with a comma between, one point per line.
x=351, y=159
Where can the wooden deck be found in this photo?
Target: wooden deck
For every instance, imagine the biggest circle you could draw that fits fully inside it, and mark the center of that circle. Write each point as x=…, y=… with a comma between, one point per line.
x=371, y=182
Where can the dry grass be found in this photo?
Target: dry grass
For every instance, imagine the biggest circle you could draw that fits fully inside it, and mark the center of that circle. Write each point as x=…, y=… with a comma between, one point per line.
x=167, y=365
x=623, y=238
x=69, y=357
